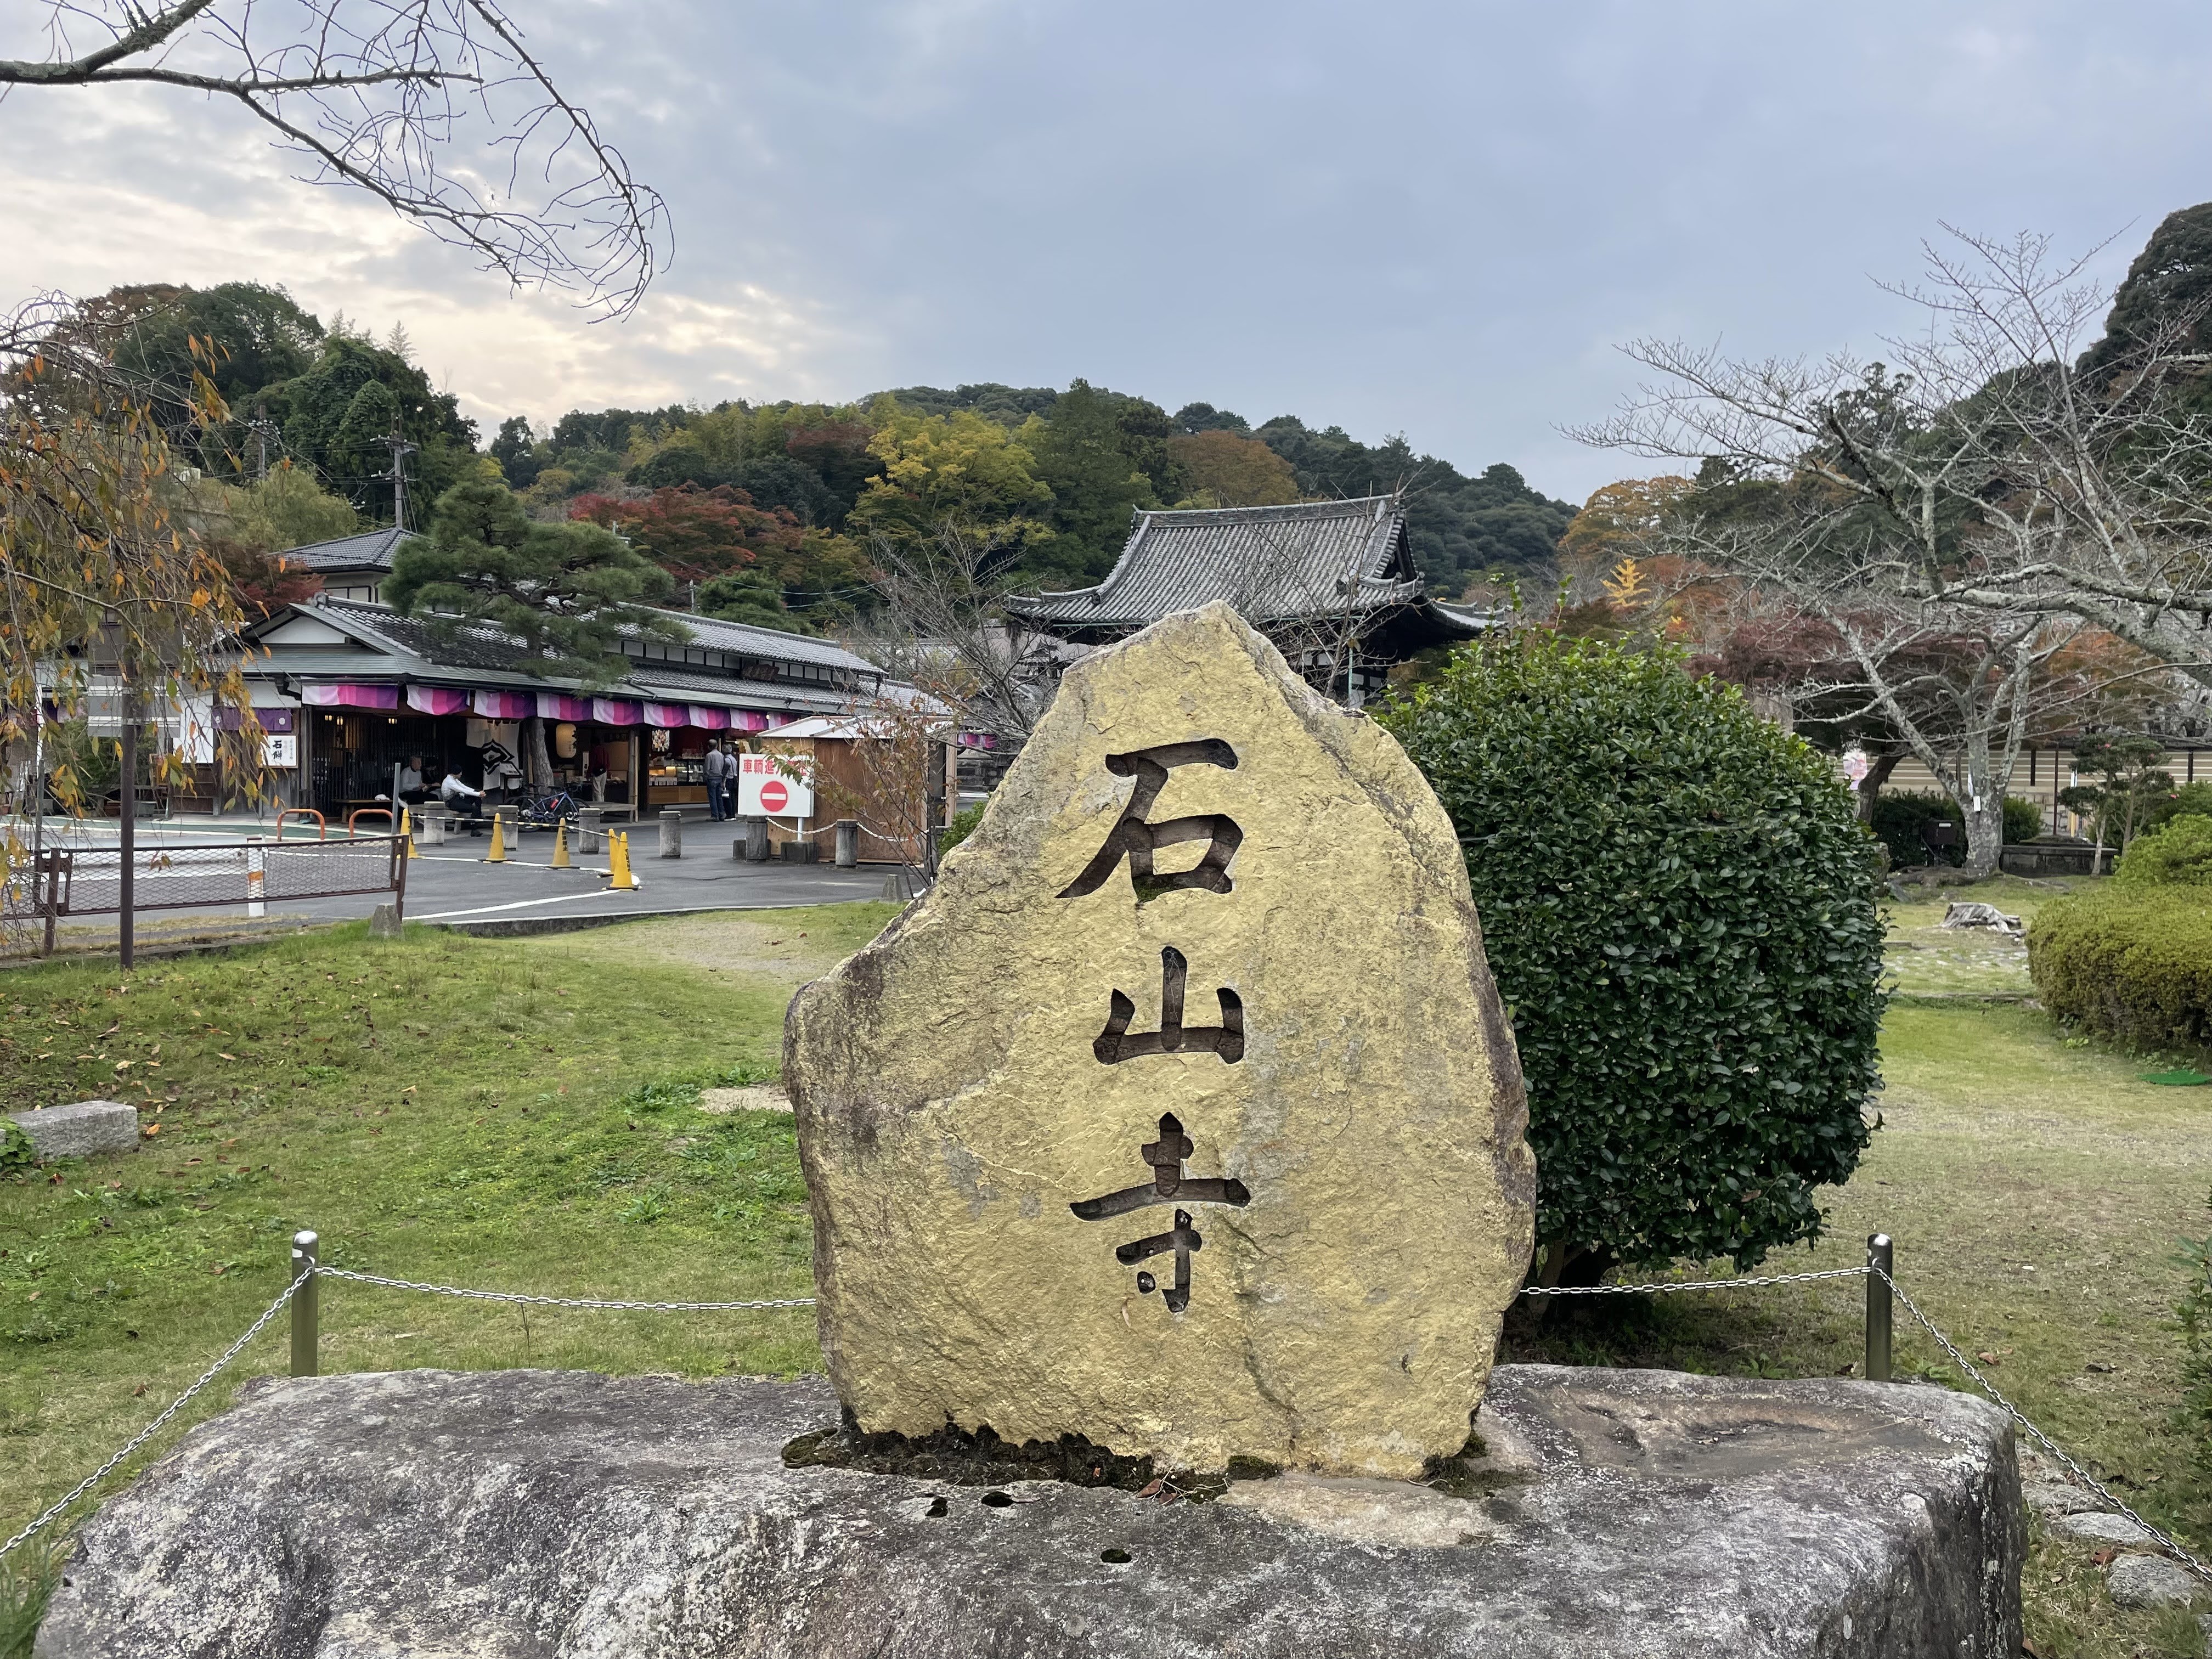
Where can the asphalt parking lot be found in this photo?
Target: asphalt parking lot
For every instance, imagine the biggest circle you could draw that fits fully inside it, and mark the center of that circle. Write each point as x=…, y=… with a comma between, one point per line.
x=455, y=885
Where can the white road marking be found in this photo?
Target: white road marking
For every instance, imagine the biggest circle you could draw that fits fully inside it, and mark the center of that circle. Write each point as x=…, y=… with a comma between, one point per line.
x=522, y=904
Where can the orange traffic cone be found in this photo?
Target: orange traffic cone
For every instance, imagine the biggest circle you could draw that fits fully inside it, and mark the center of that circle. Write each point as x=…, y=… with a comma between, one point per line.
x=498, y=853
x=560, y=845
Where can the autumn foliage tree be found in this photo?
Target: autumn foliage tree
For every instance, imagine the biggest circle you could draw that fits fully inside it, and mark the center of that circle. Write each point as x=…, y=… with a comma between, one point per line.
x=694, y=534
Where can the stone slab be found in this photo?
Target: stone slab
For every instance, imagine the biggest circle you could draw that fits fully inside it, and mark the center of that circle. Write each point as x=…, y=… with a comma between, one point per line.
x=526, y=1515
x=81, y=1128
x=2094, y=1526
x=2146, y=1582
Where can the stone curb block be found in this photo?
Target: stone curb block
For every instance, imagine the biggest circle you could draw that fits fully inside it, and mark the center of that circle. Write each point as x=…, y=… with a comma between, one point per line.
x=81, y=1128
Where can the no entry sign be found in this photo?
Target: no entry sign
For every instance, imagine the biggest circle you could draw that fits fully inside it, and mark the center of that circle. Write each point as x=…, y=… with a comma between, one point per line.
x=764, y=790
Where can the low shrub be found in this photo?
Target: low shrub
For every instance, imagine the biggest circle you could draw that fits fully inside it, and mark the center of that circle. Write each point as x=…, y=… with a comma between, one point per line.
x=2178, y=855
x=962, y=825
x=2023, y=820
x=1677, y=903
x=1898, y=818
x=2132, y=964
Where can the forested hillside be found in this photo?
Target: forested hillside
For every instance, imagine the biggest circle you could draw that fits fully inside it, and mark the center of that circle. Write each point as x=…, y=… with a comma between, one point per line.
x=771, y=507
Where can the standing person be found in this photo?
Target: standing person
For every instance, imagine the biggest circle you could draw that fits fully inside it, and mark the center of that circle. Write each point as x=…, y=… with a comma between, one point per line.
x=718, y=780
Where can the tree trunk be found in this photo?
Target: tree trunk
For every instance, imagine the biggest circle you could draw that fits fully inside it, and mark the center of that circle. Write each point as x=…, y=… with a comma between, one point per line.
x=1981, y=803
x=536, y=762
x=1984, y=836
x=1870, y=786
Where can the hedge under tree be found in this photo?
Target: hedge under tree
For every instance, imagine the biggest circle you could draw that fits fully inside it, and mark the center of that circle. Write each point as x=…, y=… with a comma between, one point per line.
x=1678, y=904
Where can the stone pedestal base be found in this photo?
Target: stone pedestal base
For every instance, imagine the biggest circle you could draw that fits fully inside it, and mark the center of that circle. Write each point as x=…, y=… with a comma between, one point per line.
x=1626, y=1514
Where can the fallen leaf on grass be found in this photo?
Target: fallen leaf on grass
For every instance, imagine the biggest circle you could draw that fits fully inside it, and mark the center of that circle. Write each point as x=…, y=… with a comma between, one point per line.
x=2103, y=1558
x=1986, y=1357
x=136, y=1391
x=151, y=1130
x=232, y=1058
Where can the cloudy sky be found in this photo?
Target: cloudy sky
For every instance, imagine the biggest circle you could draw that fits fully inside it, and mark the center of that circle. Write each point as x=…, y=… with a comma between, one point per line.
x=1433, y=219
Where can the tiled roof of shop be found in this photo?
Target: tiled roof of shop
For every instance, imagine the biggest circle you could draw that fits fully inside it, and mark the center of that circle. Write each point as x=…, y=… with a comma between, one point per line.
x=469, y=647
x=408, y=645
x=373, y=550
x=745, y=639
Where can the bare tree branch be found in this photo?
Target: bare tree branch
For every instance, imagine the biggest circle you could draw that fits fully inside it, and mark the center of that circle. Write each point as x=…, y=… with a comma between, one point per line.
x=384, y=96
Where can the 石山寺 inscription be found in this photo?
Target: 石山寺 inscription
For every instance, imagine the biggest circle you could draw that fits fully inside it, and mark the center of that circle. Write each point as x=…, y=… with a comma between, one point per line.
x=1300, y=1044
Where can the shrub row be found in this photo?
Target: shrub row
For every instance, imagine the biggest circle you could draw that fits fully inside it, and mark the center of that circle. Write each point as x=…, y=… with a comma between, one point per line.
x=2133, y=964
x=2178, y=855
x=1899, y=814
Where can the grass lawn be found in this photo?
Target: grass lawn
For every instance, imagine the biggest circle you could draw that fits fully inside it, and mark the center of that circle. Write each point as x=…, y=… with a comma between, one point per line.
x=514, y=1114
x=519, y=1113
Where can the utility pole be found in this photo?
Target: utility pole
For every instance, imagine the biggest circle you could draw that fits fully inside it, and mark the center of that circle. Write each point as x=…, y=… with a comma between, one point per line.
x=128, y=849
x=401, y=449
x=114, y=646
x=260, y=441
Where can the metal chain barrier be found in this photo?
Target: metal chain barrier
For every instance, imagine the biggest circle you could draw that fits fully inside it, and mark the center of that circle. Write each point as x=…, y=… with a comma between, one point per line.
x=312, y=1270
x=1692, y=1283
x=2165, y=1540
x=152, y=1428
x=556, y=1300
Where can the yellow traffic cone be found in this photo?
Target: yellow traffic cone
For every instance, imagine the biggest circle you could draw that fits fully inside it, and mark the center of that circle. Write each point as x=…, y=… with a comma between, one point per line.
x=618, y=861
x=560, y=845
x=407, y=828
x=498, y=853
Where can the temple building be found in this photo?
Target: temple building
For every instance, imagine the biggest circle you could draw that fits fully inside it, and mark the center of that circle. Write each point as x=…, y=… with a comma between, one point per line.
x=1332, y=584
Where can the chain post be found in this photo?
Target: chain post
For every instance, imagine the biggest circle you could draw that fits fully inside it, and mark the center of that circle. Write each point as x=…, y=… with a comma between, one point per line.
x=306, y=1310
x=1881, y=1262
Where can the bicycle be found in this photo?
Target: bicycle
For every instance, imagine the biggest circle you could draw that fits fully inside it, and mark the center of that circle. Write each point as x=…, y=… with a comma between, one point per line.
x=550, y=810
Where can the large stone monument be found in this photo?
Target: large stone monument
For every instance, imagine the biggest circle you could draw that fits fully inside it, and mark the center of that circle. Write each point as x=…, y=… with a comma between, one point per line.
x=1181, y=1115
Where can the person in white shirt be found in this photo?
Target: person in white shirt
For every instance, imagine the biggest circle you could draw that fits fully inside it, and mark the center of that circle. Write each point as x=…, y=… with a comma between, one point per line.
x=457, y=795
x=410, y=780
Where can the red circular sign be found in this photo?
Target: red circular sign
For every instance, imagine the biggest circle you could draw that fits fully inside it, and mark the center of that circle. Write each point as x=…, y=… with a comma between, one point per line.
x=774, y=796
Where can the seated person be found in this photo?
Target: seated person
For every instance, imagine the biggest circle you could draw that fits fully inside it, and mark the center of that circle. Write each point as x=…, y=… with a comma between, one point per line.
x=458, y=795
x=411, y=782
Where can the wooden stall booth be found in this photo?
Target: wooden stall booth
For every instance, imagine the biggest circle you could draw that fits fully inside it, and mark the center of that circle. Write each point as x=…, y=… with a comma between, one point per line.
x=891, y=776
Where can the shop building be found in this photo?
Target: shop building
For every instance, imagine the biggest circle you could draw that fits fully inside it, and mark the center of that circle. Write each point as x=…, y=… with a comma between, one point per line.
x=349, y=689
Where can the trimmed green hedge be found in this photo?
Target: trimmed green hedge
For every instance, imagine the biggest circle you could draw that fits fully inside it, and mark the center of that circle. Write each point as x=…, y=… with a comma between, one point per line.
x=2178, y=855
x=2133, y=965
x=1898, y=815
x=1677, y=903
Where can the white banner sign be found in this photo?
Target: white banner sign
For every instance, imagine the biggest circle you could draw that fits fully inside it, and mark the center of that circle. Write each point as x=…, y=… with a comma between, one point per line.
x=767, y=790
x=280, y=751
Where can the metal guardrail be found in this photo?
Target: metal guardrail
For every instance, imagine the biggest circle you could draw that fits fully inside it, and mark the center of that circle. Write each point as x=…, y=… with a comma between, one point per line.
x=84, y=881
